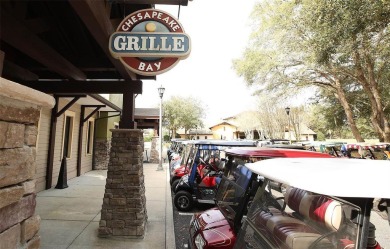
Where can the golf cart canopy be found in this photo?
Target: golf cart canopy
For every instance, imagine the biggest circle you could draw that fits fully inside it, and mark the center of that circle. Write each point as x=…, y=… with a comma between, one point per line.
x=366, y=146
x=273, y=152
x=222, y=144
x=329, y=176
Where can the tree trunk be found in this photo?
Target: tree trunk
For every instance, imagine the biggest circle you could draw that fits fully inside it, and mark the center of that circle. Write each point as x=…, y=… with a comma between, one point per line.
x=173, y=133
x=348, y=112
x=368, y=81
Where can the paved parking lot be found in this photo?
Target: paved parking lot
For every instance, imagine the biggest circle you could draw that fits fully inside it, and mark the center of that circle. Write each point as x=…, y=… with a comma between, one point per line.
x=182, y=223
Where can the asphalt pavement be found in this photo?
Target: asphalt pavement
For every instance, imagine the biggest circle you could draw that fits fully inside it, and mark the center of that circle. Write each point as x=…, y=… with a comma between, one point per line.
x=181, y=222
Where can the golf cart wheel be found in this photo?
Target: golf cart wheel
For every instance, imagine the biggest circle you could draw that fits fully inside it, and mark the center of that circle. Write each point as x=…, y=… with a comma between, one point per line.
x=174, y=184
x=183, y=201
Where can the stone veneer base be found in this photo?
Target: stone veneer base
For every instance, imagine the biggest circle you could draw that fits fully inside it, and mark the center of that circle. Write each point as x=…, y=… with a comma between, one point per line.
x=124, y=204
x=20, y=109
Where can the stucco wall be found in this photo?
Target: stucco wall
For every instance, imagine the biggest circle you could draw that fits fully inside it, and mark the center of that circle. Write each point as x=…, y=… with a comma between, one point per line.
x=224, y=131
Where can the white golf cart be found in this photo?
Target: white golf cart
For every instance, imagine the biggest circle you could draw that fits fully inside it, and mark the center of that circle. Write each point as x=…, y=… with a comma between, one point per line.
x=315, y=203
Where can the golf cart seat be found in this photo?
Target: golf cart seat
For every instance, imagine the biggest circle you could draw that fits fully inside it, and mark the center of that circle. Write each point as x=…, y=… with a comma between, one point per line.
x=310, y=214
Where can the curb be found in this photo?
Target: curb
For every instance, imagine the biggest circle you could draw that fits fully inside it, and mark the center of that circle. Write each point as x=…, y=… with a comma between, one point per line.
x=169, y=224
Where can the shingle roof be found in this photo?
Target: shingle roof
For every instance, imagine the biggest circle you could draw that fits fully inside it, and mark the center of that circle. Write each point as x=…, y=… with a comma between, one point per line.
x=147, y=112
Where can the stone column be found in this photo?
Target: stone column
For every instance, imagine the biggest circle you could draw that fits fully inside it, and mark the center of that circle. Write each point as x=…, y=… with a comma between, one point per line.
x=19, y=116
x=154, y=156
x=101, y=154
x=124, y=203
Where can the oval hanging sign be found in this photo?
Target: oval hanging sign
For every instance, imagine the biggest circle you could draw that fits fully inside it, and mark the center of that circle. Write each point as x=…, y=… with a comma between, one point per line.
x=150, y=42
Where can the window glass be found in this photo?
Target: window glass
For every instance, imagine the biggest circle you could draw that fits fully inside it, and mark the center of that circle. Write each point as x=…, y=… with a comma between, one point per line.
x=89, y=140
x=67, y=136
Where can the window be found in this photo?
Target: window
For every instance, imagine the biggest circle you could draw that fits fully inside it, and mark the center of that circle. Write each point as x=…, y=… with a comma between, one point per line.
x=67, y=137
x=89, y=139
x=205, y=137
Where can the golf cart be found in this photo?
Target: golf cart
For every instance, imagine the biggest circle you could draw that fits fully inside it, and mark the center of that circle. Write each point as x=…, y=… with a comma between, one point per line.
x=376, y=151
x=179, y=169
x=307, y=203
x=175, y=149
x=199, y=184
x=179, y=158
x=332, y=148
x=236, y=190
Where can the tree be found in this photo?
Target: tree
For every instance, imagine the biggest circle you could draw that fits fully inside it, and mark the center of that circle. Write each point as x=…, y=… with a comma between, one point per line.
x=272, y=118
x=248, y=122
x=355, y=41
x=171, y=110
x=297, y=118
x=321, y=44
x=186, y=113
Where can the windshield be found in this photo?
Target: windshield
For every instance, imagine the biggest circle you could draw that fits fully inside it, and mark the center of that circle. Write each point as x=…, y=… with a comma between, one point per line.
x=188, y=151
x=211, y=154
x=228, y=198
x=188, y=159
x=287, y=217
x=234, y=192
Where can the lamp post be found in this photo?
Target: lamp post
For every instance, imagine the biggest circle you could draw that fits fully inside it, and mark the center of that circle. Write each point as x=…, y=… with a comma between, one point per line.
x=288, y=118
x=161, y=91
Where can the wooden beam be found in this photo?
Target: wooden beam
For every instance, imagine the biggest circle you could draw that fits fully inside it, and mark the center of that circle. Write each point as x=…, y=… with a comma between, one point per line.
x=97, y=107
x=17, y=73
x=80, y=142
x=97, y=20
x=106, y=102
x=142, y=125
x=83, y=119
x=19, y=36
x=52, y=141
x=127, y=118
x=85, y=86
x=1, y=62
x=68, y=105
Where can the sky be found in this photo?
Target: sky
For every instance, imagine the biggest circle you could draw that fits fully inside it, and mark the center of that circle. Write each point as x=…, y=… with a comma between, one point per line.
x=219, y=32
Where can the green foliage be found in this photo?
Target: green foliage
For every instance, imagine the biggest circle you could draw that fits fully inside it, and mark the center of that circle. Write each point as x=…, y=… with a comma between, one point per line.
x=320, y=136
x=186, y=113
x=148, y=135
x=342, y=48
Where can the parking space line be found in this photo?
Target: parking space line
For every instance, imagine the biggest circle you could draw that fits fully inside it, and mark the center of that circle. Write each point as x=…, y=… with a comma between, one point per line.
x=186, y=213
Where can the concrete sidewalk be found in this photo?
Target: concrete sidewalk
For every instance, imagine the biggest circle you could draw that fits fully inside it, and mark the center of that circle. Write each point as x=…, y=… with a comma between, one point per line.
x=70, y=217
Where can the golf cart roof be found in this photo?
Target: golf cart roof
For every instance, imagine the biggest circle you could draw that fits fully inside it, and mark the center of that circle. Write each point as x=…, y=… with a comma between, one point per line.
x=273, y=152
x=285, y=146
x=178, y=139
x=325, y=143
x=329, y=176
x=367, y=145
x=231, y=143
